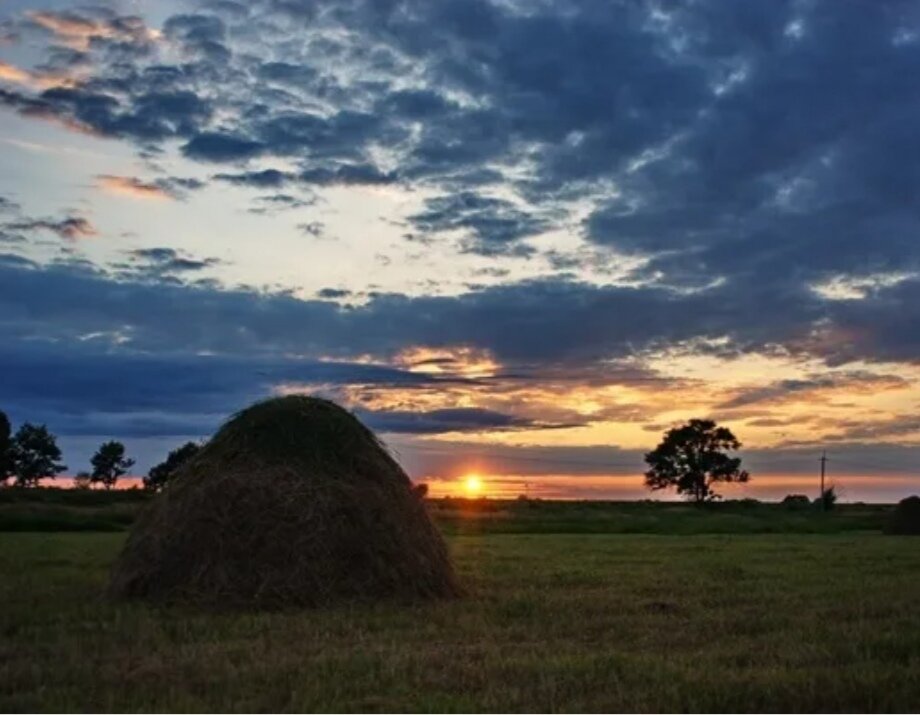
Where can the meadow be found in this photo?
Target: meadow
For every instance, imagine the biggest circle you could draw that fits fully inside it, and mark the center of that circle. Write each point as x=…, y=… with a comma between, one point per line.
x=742, y=607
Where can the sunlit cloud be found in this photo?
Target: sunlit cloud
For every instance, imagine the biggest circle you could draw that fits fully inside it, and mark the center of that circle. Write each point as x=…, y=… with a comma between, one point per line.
x=78, y=31
x=132, y=187
x=37, y=80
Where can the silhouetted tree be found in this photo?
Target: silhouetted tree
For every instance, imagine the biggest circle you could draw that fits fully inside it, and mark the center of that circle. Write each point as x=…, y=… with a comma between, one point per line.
x=109, y=463
x=83, y=480
x=6, y=449
x=420, y=489
x=828, y=499
x=35, y=455
x=158, y=477
x=692, y=458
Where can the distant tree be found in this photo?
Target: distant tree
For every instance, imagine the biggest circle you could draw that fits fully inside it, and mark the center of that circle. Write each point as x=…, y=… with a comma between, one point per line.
x=83, y=480
x=828, y=499
x=159, y=476
x=110, y=463
x=6, y=449
x=35, y=455
x=692, y=458
x=420, y=489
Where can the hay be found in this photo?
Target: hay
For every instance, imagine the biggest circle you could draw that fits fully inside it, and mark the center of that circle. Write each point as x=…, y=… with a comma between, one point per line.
x=905, y=519
x=293, y=502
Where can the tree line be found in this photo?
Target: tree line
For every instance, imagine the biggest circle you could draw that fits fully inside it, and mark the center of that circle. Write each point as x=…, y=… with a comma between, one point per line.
x=692, y=459
x=32, y=453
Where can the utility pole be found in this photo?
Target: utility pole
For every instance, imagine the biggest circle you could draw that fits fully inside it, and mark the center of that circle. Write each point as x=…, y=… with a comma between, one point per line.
x=823, y=470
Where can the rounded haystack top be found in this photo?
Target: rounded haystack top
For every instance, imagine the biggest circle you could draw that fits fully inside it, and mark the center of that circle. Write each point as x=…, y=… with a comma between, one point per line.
x=313, y=437
x=293, y=502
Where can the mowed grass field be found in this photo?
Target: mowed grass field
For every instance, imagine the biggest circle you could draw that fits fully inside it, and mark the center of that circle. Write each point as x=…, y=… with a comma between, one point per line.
x=552, y=621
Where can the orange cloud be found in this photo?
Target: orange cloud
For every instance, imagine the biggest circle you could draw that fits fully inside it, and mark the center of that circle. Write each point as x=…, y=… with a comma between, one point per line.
x=40, y=80
x=132, y=187
x=76, y=31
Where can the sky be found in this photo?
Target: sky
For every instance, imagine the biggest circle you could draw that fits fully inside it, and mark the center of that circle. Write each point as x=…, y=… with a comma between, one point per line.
x=518, y=238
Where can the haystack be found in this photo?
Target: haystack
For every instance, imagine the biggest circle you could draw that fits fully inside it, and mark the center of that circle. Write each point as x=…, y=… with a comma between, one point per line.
x=292, y=502
x=905, y=519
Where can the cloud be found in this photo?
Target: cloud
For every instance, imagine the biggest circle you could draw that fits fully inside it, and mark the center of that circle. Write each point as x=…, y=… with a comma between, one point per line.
x=199, y=35
x=8, y=205
x=158, y=263
x=531, y=321
x=164, y=188
x=221, y=147
x=70, y=227
x=265, y=179
x=281, y=202
x=449, y=420
x=491, y=226
x=810, y=389
x=10, y=73
x=133, y=187
x=316, y=229
x=79, y=31
x=333, y=293
x=89, y=390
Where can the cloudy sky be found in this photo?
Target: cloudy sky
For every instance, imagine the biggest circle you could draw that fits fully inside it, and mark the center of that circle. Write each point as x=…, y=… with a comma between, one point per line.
x=517, y=237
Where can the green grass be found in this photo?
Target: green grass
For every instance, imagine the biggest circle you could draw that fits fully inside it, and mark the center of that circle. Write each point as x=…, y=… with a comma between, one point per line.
x=71, y=510
x=583, y=622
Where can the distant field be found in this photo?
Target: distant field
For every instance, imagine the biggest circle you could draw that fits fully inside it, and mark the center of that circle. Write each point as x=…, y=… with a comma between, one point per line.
x=71, y=510
x=580, y=622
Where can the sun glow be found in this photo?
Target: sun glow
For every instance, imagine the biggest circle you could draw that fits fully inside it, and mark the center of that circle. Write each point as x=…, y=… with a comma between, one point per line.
x=472, y=484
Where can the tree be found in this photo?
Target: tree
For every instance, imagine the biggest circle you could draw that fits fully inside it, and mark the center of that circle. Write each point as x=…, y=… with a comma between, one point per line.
x=420, y=489
x=83, y=480
x=109, y=463
x=828, y=498
x=35, y=455
x=158, y=477
x=6, y=449
x=692, y=458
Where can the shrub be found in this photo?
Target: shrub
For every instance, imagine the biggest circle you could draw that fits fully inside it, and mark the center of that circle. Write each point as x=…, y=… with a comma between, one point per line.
x=905, y=519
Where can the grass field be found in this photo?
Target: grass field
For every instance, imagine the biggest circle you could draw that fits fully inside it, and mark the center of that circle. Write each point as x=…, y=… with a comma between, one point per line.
x=583, y=622
x=95, y=510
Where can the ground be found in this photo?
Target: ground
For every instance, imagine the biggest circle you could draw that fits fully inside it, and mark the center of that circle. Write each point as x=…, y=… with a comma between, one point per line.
x=551, y=621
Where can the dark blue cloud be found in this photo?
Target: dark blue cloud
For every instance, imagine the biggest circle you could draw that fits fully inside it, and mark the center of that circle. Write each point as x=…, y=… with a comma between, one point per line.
x=221, y=147
x=85, y=390
x=491, y=226
x=465, y=419
x=69, y=227
x=200, y=35
x=543, y=321
x=265, y=179
x=162, y=263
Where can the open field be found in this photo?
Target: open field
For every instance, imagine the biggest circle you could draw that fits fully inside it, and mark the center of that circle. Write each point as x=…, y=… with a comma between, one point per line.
x=789, y=622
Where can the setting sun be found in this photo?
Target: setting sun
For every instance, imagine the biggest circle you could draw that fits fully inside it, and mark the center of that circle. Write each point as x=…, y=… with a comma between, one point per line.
x=473, y=484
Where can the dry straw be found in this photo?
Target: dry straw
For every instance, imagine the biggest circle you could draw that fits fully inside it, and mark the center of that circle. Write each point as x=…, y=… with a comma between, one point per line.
x=293, y=502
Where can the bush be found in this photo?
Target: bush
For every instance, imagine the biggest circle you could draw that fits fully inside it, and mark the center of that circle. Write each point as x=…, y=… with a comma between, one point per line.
x=827, y=500
x=796, y=501
x=905, y=519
